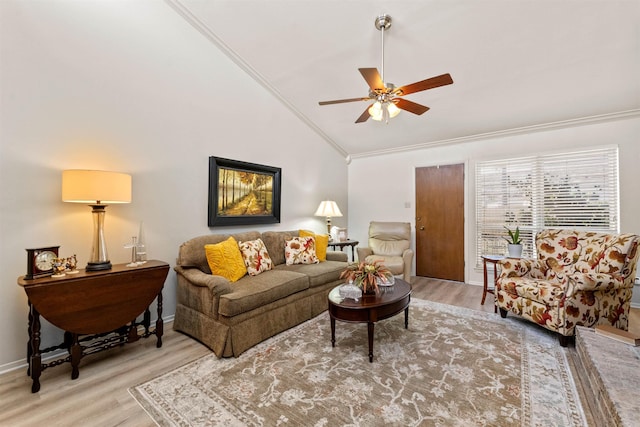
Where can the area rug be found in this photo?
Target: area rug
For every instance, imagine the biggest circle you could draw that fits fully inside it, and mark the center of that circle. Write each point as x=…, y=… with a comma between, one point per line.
x=452, y=367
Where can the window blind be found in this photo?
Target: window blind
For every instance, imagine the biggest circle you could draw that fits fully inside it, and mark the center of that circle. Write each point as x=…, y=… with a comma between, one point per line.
x=577, y=190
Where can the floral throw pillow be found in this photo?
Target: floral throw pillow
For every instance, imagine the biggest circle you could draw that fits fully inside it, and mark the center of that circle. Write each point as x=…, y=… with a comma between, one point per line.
x=322, y=243
x=255, y=256
x=300, y=250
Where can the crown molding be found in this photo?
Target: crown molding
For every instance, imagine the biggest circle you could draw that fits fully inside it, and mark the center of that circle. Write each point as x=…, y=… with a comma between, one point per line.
x=203, y=29
x=582, y=121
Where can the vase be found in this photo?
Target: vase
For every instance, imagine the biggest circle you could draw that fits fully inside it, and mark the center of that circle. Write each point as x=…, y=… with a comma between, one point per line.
x=386, y=281
x=141, y=249
x=350, y=291
x=515, y=251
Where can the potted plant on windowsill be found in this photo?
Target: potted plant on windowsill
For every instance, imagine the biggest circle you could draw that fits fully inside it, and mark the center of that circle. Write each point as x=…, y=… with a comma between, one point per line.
x=514, y=242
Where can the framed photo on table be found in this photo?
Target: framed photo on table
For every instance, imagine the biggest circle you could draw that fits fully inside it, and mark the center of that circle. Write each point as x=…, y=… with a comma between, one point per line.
x=242, y=193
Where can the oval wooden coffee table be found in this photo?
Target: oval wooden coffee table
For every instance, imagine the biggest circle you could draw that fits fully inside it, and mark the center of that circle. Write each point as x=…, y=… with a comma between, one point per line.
x=370, y=308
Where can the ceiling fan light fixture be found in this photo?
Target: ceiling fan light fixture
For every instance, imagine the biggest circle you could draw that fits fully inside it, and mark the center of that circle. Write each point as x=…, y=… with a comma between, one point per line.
x=387, y=98
x=383, y=111
x=392, y=109
x=375, y=111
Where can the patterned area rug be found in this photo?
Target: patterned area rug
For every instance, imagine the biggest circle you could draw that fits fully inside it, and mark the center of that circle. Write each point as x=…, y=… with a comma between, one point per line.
x=452, y=367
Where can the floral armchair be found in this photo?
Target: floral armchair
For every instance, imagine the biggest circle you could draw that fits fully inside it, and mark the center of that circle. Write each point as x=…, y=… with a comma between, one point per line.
x=580, y=278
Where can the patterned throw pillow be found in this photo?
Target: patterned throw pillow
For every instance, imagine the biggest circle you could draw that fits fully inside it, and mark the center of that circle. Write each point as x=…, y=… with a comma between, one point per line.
x=255, y=256
x=225, y=260
x=322, y=242
x=300, y=250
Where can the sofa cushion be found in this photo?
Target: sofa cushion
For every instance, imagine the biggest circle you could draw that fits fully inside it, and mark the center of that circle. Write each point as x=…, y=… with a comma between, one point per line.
x=255, y=256
x=388, y=247
x=274, y=241
x=225, y=259
x=395, y=264
x=319, y=274
x=192, y=255
x=300, y=250
x=389, y=238
x=584, y=251
x=599, y=254
x=252, y=292
x=322, y=243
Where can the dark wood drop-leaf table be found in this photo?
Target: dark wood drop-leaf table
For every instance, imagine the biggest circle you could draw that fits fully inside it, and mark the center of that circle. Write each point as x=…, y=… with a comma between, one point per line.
x=96, y=310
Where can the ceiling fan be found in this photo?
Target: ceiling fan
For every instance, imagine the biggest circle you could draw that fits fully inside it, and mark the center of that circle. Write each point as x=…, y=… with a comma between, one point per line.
x=387, y=98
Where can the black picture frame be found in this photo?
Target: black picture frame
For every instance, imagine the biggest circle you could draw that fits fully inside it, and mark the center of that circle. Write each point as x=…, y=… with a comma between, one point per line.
x=232, y=183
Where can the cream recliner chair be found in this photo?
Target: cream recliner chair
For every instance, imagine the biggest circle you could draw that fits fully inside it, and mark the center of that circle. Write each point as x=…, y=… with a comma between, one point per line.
x=389, y=242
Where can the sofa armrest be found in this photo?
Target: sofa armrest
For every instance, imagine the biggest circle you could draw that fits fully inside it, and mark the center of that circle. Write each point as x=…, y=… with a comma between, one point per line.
x=595, y=281
x=216, y=284
x=407, y=258
x=521, y=267
x=363, y=253
x=337, y=256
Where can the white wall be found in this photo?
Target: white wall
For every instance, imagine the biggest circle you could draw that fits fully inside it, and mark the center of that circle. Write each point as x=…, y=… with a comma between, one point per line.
x=131, y=87
x=381, y=186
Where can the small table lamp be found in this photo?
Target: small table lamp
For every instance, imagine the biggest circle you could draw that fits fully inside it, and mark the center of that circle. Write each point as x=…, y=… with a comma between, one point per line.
x=97, y=189
x=328, y=208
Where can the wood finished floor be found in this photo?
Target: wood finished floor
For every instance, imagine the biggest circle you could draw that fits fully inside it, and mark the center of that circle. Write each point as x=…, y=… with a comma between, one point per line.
x=100, y=397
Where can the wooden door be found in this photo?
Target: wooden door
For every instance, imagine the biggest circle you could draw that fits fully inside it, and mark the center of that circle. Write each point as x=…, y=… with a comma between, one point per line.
x=440, y=222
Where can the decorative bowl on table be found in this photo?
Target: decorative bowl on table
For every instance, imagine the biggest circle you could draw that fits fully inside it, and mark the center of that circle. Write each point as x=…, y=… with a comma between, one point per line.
x=351, y=291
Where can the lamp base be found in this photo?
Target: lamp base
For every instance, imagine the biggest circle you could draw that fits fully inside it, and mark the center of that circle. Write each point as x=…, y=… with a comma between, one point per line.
x=99, y=260
x=98, y=266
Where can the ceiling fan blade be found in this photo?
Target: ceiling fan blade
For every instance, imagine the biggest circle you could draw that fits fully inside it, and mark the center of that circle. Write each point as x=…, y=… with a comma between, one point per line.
x=340, y=101
x=364, y=116
x=372, y=76
x=433, y=82
x=410, y=106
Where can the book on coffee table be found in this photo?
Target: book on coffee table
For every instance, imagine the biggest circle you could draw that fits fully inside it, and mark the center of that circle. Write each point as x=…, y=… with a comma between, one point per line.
x=618, y=334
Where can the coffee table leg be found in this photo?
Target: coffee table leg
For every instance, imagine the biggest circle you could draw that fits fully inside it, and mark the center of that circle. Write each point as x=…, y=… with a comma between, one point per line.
x=370, y=332
x=333, y=332
x=406, y=318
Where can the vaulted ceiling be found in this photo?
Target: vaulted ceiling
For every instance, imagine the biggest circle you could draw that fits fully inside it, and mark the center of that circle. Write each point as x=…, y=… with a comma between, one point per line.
x=517, y=65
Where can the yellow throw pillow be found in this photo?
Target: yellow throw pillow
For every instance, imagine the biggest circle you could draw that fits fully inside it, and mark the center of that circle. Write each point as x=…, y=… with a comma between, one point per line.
x=322, y=242
x=225, y=259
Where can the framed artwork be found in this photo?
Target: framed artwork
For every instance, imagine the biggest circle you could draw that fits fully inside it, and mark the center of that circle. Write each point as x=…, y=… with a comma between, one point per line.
x=242, y=193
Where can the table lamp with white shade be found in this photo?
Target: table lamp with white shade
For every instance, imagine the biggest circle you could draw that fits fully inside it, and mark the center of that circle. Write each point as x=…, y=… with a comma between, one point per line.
x=97, y=189
x=328, y=209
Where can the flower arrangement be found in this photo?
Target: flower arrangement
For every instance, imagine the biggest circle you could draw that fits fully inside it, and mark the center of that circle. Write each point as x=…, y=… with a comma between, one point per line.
x=366, y=275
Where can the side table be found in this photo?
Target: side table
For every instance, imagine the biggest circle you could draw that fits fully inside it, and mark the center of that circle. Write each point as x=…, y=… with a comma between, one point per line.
x=96, y=310
x=341, y=245
x=491, y=259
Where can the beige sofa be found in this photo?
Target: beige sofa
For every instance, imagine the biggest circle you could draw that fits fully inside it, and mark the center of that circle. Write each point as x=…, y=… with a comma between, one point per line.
x=231, y=317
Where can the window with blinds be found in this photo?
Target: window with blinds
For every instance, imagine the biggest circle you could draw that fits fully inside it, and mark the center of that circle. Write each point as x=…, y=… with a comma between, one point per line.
x=577, y=190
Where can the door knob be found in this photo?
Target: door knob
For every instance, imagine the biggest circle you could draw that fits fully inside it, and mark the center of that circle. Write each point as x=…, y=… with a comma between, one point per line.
x=422, y=227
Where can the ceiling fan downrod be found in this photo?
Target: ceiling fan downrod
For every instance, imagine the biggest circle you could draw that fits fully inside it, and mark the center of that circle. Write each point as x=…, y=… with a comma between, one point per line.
x=388, y=99
x=383, y=23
